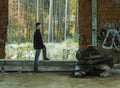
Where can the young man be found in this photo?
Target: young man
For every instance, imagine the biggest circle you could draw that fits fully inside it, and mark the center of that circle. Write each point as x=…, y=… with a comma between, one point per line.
x=38, y=45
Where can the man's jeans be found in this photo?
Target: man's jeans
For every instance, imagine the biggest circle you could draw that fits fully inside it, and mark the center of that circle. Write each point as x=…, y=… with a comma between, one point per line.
x=37, y=54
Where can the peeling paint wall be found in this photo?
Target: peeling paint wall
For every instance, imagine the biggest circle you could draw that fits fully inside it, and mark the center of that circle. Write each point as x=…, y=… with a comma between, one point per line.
x=3, y=26
x=109, y=24
x=85, y=23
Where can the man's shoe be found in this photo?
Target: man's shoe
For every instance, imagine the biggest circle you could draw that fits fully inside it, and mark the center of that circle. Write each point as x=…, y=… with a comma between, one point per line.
x=46, y=58
x=36, y=71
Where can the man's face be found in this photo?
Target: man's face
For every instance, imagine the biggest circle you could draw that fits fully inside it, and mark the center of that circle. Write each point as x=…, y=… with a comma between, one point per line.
x=38, y=27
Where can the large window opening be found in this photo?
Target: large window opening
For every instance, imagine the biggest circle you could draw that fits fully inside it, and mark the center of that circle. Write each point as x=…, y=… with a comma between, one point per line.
x=59, y=20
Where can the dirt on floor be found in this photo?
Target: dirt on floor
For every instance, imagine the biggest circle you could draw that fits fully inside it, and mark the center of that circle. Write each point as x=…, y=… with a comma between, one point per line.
x=55, y=80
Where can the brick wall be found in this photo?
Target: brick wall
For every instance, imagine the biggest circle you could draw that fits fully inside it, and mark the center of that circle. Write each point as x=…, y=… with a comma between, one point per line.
x=85, y=23
x=109, y=18
x=3, y=26
x=108, y=13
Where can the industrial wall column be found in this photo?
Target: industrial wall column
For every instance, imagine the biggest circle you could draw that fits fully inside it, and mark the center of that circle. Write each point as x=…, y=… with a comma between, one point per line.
x=3, y=26
x=94, y=22
x=85, y=23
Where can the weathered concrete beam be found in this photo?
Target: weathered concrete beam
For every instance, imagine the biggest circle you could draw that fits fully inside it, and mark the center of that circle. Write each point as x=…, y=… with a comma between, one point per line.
x=46, y=66
x=27, y=65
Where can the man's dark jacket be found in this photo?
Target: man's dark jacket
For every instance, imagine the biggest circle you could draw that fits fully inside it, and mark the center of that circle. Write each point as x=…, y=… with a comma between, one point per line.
x=38, y=42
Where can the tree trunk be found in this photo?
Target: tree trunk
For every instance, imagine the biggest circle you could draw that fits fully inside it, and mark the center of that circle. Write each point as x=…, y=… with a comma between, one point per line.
x=37, y=12
x=76, y=17
x=42, y=17
x=60, y=19
x=19, y=15
x=66, y=6
x=50, y=27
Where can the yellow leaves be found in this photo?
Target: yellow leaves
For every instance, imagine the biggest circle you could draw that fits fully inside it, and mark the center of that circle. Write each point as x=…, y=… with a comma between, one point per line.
x=24, y=33
x=72, y=31
x=46, y=31
x=72, y=7
x=56, y=32
x=73, y=11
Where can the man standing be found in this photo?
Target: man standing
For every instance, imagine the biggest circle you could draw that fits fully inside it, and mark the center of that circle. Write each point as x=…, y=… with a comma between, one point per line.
x=38, y=45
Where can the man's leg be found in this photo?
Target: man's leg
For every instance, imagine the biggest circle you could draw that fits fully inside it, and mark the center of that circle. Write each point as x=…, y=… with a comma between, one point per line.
x=44, y=53
x=37, y=54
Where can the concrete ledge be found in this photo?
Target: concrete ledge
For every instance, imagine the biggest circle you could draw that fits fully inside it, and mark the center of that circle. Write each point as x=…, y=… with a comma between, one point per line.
x=27, y=65
x=12, y=68
x=30, y=62
x=116, y=66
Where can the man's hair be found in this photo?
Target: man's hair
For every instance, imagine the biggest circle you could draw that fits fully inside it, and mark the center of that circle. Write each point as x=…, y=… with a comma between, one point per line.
x=37, y=24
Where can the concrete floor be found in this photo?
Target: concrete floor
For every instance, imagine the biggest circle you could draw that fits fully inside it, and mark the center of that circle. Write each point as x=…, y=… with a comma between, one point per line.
x=55, y=80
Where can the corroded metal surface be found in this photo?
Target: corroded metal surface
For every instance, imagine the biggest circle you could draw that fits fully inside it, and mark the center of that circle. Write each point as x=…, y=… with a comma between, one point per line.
x=85, y=24
x=3, y=26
